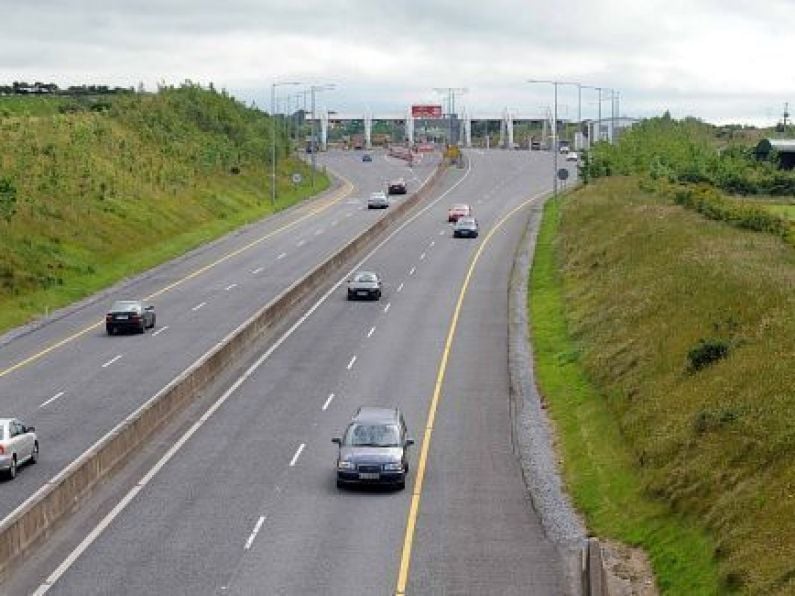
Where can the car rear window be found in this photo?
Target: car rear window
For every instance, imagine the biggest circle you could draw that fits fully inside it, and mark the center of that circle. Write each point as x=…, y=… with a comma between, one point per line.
x=365, y=277
x=124, y=306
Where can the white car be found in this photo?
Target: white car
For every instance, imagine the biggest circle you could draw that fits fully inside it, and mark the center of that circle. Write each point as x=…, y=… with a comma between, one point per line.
x=18, y=445
x=572, y=156
x=378, y=200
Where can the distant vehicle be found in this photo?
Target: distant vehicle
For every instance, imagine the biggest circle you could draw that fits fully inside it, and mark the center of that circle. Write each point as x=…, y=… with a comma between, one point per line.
x=18, y=445
x=564, y=147
x=357, y=141
x=572, y=156
x=364, y=284
x=465, y=227
x=397, y=187
x=535, y=145
x=129, y=315
x=378, y=200
x=367, y=157
x=458, y=210
x=374, y=448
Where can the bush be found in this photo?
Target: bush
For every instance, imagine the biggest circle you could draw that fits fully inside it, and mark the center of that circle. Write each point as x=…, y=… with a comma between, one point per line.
x=707, y=352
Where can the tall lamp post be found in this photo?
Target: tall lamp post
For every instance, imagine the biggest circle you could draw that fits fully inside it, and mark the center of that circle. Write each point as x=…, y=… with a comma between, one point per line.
x=273, y=134
x=555, y=85
x=313, y=143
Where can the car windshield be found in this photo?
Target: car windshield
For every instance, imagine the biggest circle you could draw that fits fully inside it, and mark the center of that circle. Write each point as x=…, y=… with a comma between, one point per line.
x=124, y=306
x=368, y=277
x=372, y=435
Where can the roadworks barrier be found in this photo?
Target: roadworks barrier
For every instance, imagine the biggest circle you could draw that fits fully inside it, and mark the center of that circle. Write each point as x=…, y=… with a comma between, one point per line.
x=39, y=516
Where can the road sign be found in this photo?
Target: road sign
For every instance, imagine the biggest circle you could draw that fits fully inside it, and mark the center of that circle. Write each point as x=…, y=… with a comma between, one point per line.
x=563, y=174
x=297, y=178
x=426, y=111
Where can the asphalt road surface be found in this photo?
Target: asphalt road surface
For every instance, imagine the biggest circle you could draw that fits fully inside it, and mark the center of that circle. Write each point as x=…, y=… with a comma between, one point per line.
x=248, y=504
x=74, y=383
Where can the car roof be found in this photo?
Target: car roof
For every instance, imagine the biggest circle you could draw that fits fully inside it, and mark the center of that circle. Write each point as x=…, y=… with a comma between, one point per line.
x=460, y=206
x=376, y=414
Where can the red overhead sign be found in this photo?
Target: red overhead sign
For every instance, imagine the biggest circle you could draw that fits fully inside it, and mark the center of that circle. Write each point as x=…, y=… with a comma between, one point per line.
x=426, y=111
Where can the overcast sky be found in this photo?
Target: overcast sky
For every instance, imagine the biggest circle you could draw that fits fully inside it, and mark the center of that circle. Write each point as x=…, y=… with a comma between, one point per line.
x=720, y=60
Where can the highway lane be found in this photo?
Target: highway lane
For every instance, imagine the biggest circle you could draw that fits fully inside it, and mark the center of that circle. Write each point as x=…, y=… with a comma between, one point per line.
x=76, y=393
x=248, y=505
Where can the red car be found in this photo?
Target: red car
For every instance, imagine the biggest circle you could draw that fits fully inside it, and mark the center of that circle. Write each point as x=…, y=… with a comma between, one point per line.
x=459, y=210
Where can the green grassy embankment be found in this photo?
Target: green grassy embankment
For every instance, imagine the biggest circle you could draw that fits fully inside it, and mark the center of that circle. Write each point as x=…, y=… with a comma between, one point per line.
x=90, y=197
x=693, y=464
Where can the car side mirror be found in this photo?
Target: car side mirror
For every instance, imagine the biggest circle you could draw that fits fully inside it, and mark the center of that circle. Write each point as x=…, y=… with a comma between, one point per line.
x=409, y=442
x=337, y=440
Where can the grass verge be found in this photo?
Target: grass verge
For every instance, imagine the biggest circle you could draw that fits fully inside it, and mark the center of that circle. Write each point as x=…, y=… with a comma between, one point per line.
x=600, y=470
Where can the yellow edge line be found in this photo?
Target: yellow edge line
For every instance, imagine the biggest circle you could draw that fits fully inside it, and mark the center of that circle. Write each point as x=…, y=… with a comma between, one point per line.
x=341, y=194
x=411, y=523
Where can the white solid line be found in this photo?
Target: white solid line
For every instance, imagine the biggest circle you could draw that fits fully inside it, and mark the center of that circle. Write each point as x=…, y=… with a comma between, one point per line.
x=413, y=269
x=230, y=287
x=370, y=333
x=52, y=399
x=199, y=306
x=114, y=513
x=386, y=308
x=350, y=364
x=159, y=331
x=281, y=256
x=400, y=287
x=111, y=361
x=328, y=401
x=297, y=455
x=422, y=256
x=257, y=270
x=254, y=532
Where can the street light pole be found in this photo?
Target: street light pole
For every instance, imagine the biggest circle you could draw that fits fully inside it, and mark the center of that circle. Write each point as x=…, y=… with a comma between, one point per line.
x=273, y=135
x=313, y=144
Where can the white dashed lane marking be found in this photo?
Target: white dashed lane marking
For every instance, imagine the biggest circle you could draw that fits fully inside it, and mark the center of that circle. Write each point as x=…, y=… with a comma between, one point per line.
x=257, y=270
x=370, y=333
x=413, y=269
x=254, y=532
x=350, y=364
x=400, y=287
x=230, y=287
x=281, y=256
x=297, y=455
x=111, y=361
x=386, y=308
x=159, y=331
x=52, y=399
x=300, y=243
x=422, y=257
x=328, y=401
x=199, y=306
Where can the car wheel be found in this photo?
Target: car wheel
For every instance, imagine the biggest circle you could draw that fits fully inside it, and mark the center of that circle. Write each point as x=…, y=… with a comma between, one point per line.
x=350, y=295
x=340, y=484
x=154, y=320
x=34, y=457
x=378, y=295
x=142, y=328
x=402, y=484
x=11, y=473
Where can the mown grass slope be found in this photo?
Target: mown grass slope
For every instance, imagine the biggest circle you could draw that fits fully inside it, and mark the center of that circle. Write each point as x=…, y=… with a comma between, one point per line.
x=89, y=197
x=706, y=452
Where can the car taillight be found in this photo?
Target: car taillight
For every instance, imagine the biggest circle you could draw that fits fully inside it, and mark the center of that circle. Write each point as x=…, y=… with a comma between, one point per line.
x=2, y=450
x=108, y=317
x=135, y=316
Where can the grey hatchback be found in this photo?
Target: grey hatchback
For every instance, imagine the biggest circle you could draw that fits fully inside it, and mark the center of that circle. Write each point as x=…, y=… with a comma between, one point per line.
x=374, y=448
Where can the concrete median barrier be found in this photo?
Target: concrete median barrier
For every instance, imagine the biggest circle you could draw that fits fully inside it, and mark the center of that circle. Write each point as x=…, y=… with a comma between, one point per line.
x=40, y=514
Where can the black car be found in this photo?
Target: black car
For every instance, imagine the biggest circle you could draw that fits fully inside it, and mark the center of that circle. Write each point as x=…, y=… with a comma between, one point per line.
x=367, y=157
x=374, y=448
x=129, y=315
x=364, y=284
x=397, y=187
x=465, y=227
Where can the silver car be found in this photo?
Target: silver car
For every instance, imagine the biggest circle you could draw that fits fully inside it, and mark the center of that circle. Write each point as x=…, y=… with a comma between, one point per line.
x=18, y=445
x=364, y=284
x=378, y=200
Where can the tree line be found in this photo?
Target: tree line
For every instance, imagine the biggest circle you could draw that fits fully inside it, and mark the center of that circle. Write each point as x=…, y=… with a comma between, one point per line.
x=39, y=88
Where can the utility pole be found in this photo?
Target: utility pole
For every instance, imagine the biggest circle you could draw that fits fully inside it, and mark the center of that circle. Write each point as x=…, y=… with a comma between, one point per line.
x=273, y=136
x=451, y=95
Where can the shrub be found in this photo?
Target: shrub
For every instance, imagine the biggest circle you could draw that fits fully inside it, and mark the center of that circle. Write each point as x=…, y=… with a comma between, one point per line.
x=707, y=352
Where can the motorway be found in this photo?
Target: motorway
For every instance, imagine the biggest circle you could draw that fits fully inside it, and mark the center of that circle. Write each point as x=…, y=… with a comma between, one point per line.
x=248, y=503
x=75, y=383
